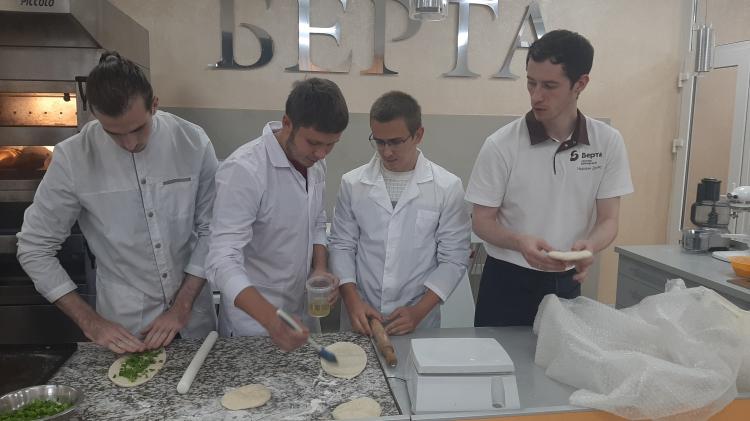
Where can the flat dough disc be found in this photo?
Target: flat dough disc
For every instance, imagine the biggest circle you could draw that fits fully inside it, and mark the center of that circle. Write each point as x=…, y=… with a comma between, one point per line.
x=570, y=256
x=114, y=370
x=351, y=358
x=249, y=396
x=357, y=408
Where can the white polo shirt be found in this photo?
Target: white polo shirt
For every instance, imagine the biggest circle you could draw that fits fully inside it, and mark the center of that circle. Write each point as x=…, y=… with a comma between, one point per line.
x=545, y=188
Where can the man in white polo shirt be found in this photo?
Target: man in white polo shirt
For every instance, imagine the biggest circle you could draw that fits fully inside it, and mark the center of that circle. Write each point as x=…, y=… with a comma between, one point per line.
x=551, y=180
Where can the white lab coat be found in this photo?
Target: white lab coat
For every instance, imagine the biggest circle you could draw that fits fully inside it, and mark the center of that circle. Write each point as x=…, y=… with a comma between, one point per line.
x=145, y=217
x=393, y=254
x=264, y=227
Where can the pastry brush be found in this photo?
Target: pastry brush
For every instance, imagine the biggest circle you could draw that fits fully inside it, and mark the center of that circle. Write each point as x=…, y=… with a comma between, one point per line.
x=324, y=353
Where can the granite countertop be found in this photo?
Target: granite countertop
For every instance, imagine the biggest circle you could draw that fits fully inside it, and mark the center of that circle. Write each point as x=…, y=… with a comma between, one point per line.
x=300, y=390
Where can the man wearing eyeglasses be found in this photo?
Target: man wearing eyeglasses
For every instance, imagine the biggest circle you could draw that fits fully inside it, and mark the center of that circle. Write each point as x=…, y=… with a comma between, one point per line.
x=400, y=234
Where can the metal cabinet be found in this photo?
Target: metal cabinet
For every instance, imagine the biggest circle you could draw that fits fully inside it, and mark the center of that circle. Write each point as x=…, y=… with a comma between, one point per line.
x=637, y=280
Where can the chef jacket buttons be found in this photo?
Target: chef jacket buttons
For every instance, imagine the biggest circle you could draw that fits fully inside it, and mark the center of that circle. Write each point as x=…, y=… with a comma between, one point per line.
x=150, y=214
x=157, y=245
x=164, y=275
x=143, y=181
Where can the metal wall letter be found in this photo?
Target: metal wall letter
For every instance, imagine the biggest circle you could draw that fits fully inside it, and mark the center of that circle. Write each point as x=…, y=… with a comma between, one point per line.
x=461, y=68
x=226, y=13
x=378, y=59
x=305, y=63
x=537, y=24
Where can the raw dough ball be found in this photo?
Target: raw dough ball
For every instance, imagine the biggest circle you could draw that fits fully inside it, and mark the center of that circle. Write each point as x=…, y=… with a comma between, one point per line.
x=570, y=256
x=114, y=370
x=357, y=408
x=249, y=396
x=351, y=358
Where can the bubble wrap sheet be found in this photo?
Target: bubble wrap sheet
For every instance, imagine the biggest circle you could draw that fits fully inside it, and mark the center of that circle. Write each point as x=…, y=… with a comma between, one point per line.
x=680, y=355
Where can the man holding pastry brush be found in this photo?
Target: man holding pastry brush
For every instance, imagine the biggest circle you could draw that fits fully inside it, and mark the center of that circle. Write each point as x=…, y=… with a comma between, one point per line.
x=548, y=183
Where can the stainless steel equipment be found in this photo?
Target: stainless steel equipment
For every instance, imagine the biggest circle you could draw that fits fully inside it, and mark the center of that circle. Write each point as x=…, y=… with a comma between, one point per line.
x=24, y=365
x=47, y=49
x=63, y=394
x=711, y=215
x=739, y=202
x=696, y=240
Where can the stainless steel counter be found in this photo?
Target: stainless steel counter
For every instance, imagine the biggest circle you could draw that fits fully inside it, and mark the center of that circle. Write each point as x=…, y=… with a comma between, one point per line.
x=643, y=270
x=538, y=393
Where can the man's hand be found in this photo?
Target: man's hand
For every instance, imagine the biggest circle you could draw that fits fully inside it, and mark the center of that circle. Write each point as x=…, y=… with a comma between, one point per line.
x=334, y=295
x=112, y=336
x=359, y=314
x=284, y=336
x=164, y=328
x=403, y=320
x=252, y=302
x=534, y=250
x=583, y=265
x=98, y=329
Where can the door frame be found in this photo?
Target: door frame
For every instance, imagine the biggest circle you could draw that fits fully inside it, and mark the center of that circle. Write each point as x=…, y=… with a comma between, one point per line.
x=735, y=54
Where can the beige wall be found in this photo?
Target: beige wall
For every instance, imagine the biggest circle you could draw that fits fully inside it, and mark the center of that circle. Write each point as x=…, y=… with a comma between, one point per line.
x=633, y=81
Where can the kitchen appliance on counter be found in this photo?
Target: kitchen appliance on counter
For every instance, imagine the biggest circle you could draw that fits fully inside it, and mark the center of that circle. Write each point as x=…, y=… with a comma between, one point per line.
x=711, y=216
x=460, y=374
x=47, y=49
x=739, y=201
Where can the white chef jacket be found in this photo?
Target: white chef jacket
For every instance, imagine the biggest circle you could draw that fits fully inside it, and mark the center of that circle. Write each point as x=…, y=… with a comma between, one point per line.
x=266, y=219
x=393, y=254
x=145, y=216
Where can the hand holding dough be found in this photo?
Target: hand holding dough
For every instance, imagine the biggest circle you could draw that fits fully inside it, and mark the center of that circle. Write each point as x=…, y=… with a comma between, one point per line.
x=249, y=396
x=570, y=256
x=357, y=408
x=352, y=359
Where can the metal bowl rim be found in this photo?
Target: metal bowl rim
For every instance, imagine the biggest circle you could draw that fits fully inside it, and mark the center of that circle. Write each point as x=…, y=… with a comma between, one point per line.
x=76, y=402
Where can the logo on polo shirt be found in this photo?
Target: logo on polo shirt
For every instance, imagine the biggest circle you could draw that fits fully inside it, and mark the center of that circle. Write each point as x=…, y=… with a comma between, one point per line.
x=588, y=160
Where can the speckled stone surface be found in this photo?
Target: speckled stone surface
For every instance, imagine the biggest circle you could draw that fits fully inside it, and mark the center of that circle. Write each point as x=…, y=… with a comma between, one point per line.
x=300, y=390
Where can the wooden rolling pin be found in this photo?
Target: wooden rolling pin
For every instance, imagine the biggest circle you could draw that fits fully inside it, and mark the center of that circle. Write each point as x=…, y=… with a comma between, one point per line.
x=383, y=343
x=187, y=379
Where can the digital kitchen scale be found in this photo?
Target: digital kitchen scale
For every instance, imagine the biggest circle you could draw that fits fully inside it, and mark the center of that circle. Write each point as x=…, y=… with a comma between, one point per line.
x=460, y=374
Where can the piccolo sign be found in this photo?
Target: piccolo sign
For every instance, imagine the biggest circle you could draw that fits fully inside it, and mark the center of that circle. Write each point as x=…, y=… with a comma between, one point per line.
x=306, y=30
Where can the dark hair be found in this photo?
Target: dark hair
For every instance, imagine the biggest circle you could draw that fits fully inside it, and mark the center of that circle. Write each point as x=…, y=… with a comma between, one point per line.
x=396, y=104
x=319, y=104
x=114, y=82
x=568, y=48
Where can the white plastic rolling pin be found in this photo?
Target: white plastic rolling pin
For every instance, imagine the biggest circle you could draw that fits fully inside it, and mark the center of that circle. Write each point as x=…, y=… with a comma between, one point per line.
x=187, y=379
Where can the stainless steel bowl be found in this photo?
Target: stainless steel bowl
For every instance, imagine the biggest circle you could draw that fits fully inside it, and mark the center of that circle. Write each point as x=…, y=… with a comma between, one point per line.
x=19, y=398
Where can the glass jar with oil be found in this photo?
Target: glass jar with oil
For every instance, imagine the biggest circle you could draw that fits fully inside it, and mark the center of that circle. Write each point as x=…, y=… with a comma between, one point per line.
x=319, y=288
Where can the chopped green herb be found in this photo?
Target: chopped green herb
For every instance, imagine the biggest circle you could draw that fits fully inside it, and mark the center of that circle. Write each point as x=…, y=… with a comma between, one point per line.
x=135, y=365
x=35, y=410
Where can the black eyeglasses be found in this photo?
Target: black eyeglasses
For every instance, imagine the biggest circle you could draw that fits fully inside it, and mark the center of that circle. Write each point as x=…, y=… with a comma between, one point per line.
x=392, y=143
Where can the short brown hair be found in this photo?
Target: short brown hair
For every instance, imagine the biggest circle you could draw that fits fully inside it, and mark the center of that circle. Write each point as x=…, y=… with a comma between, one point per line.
x=319, y=104
x=397, y=104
